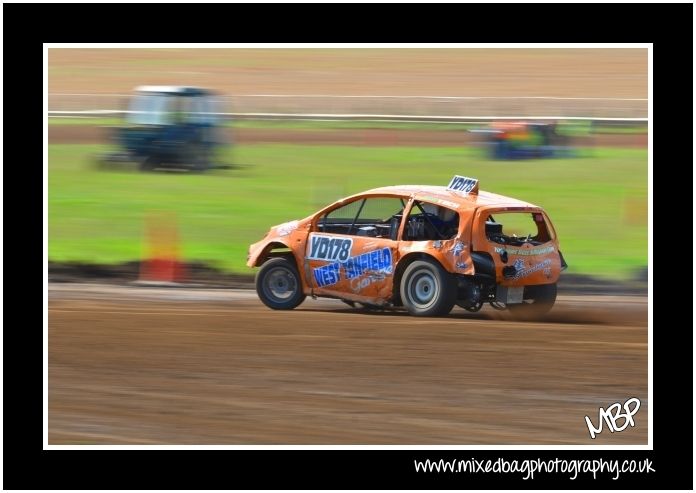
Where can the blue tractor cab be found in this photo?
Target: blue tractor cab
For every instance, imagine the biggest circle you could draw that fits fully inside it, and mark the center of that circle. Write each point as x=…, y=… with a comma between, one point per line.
x=171, y=127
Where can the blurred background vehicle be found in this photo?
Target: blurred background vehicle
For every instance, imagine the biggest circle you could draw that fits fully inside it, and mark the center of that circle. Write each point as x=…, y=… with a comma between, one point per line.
x=169, y=127
x=508, y=140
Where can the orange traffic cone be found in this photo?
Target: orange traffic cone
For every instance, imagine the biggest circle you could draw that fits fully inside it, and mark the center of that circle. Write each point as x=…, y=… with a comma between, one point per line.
x=161, y=263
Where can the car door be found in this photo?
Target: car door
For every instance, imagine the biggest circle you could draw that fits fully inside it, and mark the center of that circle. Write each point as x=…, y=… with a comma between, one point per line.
x=352, y=249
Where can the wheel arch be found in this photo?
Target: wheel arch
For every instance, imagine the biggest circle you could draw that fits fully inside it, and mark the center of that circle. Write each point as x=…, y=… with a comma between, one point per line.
x=274, y=249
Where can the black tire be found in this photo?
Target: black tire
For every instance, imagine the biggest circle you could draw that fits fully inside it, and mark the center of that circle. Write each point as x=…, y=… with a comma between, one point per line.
x=278, y=284
x=149, y=164
x=427, y=290
x=202, y=164
x=198, y=157
x=538, y=302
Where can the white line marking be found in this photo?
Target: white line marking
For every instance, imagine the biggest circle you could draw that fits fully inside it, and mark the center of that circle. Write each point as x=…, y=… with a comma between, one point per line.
x=360, y=116
x=373, y=96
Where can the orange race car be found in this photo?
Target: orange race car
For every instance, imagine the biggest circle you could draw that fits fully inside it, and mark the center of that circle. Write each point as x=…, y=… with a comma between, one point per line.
x=423, y=247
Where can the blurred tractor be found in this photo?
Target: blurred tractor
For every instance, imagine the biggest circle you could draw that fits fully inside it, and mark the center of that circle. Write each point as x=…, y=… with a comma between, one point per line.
x=170, y=127
x=507, y=140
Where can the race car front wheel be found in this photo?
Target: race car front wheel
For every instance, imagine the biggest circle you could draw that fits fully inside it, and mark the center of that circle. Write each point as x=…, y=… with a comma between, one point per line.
x=278, y=284
x=427, y=290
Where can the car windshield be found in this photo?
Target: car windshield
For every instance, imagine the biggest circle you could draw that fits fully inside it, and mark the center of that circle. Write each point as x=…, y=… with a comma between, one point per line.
x=148, y=109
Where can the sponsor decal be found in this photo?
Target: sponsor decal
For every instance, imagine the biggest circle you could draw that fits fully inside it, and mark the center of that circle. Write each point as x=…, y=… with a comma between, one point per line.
x=376, y=261
x=287, y=228
x=522, y=272
x=526, y=251
x=329, y=248
x=375, y=265
x=326, y=275
x=448, y=203
x=458, y=248
x=461, y=265
x=463, y=184
x=360, y=283
x=437, y=244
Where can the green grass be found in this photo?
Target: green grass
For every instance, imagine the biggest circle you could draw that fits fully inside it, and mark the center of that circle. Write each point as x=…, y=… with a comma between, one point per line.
x=57, y=121
x=638, y=129
x=597, y=202
x=572, y=129
x=293, y=124
x=349, y=125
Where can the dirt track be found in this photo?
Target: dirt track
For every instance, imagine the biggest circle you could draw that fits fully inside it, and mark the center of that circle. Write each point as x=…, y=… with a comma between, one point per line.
x=174, y=366
x=569, y=72
x=87, y=134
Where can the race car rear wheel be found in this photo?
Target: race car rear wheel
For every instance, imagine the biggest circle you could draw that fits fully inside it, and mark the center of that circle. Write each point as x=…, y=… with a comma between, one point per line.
x=427, y=290
x=278, y=284
x=538, y=302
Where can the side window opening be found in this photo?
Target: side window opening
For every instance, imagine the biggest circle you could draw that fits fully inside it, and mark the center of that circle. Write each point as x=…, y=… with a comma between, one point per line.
x=185, y=109
x=377, y=217
x=517, y=228
x=201, y=111
x=149, y=109
x=428, y=221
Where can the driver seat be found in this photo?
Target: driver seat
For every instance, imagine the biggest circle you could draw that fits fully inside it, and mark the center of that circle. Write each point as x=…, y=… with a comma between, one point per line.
x=394, y=224
x=428, y=231
x=493, y=229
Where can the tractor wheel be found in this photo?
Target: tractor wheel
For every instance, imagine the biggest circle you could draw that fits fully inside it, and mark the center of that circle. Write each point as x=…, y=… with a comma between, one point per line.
x=199, y=158
x=149, y=164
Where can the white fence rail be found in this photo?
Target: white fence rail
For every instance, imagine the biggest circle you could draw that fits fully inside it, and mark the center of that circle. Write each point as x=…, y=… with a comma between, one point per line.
x=417, y=108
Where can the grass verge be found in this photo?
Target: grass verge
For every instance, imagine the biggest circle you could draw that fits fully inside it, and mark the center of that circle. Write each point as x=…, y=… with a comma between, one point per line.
x=598, y=202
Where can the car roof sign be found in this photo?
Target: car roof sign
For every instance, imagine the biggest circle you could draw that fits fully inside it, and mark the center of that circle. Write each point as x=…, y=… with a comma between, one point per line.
x=463, y=184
